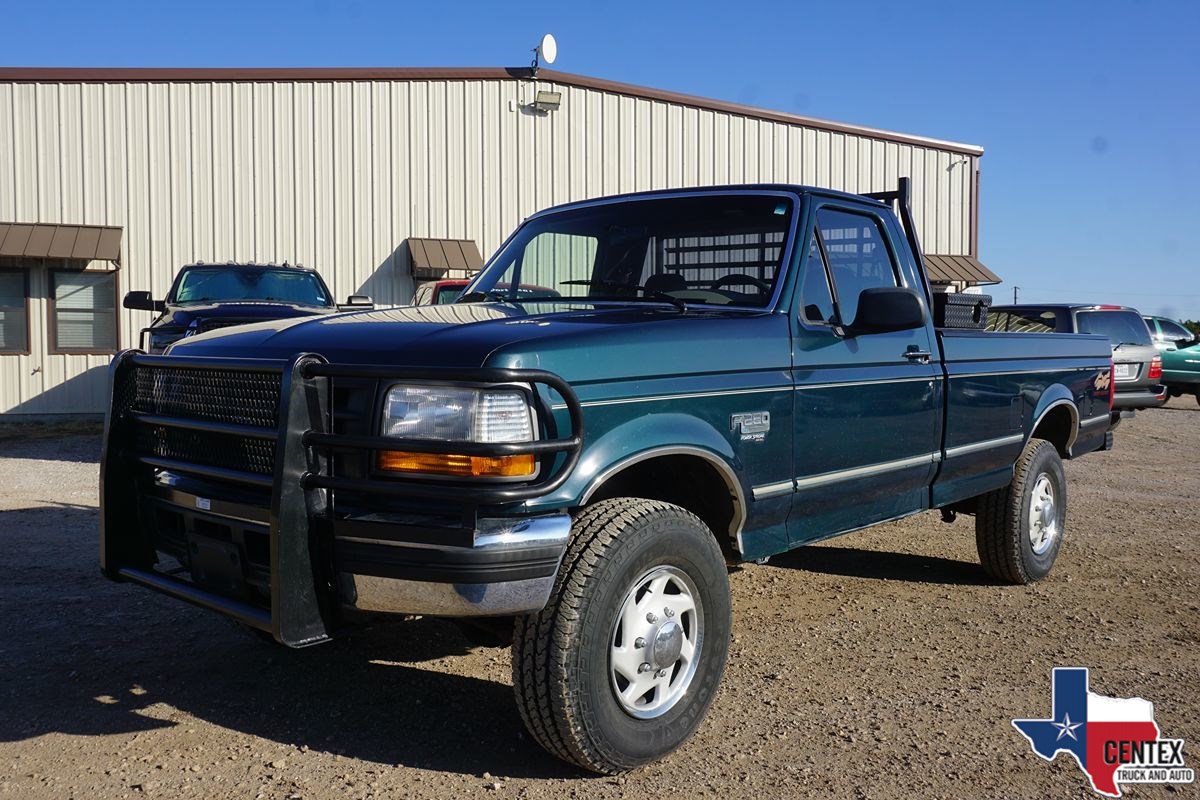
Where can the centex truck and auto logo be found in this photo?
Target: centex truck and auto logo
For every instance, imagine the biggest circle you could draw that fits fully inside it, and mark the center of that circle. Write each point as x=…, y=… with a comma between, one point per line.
x=1114, y=740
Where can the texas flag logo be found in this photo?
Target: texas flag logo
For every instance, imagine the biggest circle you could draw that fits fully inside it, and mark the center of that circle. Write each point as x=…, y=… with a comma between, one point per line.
x=1114, y=740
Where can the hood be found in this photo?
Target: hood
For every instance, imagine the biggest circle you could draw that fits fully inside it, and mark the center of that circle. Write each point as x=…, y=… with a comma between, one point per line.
x=576, y=340
x=185, y=316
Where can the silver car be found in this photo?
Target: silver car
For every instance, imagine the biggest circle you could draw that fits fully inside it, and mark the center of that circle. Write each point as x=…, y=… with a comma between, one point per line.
x=1137, y=365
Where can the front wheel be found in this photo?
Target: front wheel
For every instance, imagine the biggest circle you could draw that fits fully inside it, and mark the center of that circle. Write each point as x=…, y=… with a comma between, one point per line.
x=1019, y=529
x=622, y=664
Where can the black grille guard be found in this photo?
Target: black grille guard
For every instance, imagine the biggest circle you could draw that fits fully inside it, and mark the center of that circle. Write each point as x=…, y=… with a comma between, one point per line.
x=302, y=473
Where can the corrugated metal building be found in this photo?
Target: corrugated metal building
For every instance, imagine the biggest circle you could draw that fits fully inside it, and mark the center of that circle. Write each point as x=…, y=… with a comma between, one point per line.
x=338, y=168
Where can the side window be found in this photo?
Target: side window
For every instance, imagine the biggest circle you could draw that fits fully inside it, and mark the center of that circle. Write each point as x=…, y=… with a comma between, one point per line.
x=858, y=256
x=1172, y=332
x=815, y=300
x=14, y=312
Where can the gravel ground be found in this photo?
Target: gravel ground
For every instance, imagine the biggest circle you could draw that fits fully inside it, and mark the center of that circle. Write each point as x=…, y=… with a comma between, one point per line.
x=879, y=664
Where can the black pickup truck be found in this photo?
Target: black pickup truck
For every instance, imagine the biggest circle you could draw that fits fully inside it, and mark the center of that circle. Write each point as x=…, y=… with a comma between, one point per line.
x=205, y=297
x=712, y=376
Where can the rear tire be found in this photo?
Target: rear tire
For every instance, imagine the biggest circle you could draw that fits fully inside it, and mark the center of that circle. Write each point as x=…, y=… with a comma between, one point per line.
x=1019, y=529
x=641, y=579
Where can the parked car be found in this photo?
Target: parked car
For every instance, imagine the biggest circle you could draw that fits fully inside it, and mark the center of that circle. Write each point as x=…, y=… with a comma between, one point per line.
x=435, y=293
x=449, y=291
x=1137, y=366
x=204, y=297
x=1180, y=349
x=576, y=472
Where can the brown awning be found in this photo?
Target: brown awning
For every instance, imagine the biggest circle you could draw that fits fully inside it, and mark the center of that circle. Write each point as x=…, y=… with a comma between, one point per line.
x=45, y=240
x=958, y=269
x=435, y=256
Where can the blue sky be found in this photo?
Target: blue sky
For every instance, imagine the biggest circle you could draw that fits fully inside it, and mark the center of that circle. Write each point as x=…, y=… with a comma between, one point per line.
x=1089, y=111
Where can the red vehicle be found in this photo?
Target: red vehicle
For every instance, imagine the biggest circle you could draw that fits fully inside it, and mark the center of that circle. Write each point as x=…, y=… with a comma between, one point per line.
x=436, y=293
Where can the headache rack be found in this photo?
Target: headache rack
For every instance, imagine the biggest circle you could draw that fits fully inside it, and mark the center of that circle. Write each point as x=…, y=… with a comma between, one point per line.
x=266, y=429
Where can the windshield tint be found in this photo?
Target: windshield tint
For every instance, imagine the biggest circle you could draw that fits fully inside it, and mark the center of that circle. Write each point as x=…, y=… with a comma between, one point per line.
x=715, y=249
x=228, y=284
x=1121, y=327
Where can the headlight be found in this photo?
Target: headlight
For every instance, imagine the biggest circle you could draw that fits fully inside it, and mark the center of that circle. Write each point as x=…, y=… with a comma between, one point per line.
x=451, y=414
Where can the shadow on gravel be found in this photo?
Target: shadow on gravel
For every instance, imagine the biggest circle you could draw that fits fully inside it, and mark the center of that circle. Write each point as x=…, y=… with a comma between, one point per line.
x=856, y=563
x=81, y=449
x=84, y=656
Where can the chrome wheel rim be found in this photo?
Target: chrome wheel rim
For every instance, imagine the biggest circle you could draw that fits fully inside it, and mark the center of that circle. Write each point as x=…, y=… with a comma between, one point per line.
x=656, y=642
x=1043, y=515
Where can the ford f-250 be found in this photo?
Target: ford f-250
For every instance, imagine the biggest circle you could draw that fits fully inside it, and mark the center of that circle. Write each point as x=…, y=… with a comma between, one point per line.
x=722, y=374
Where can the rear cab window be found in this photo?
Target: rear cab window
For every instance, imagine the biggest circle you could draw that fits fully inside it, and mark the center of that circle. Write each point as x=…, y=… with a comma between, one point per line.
x=1030, y=320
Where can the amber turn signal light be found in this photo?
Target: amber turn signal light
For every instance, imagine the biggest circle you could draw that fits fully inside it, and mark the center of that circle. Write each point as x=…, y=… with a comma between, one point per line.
x=459, y=466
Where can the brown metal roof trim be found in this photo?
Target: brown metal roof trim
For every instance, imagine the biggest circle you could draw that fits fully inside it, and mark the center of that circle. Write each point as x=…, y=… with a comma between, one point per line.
x=429, y=255
x=46, y=240
x=958, y=269
x=268, y=74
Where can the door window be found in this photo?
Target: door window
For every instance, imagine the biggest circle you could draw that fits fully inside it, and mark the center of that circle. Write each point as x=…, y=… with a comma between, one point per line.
x=1172, y=332
x=816, y=301
x=857, y=254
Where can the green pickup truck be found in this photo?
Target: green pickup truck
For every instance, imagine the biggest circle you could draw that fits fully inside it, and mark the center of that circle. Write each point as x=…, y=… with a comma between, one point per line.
x=713, y=376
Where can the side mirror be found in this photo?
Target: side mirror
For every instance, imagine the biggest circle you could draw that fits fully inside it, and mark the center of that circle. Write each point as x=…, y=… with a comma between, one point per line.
x=142, y=301
x=357, y=302
x=1182, y=343
x=886, y=309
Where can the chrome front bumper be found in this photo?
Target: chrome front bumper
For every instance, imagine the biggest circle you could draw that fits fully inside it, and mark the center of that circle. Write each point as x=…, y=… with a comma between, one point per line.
x=509, y=569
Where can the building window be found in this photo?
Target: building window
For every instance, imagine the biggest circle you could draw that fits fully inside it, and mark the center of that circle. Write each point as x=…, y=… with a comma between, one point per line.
x=14, y=312
x=83, y=310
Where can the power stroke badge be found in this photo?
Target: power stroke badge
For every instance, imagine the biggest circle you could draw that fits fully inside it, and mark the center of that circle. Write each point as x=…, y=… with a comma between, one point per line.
x=1114, y=740
x=752, y=425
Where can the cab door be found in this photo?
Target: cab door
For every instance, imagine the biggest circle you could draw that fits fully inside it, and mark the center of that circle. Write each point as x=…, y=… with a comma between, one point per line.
x=867, y=408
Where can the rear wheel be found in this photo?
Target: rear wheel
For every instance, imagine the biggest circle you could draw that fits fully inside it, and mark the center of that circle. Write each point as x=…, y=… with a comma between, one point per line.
x=621, y=666
x=1019, y=529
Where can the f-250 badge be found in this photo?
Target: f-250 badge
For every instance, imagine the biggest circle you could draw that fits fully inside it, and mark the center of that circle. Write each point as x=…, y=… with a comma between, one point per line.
x=752, y=425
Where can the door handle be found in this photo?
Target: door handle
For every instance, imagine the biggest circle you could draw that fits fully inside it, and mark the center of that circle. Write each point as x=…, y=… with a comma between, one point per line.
x=920, y=356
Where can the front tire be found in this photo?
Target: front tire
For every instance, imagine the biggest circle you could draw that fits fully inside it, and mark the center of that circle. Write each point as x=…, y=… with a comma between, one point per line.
x=1019, y=529
x=622, y=664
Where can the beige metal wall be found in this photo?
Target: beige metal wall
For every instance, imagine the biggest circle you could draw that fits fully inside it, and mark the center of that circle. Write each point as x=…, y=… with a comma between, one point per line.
x=337, y=175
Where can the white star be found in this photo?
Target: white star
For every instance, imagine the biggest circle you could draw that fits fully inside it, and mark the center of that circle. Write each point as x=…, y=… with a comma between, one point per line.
x=1067, y=728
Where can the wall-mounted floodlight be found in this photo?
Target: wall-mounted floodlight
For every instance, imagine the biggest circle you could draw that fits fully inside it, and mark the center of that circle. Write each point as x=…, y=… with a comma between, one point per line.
x=544, y=101
x=547, y=50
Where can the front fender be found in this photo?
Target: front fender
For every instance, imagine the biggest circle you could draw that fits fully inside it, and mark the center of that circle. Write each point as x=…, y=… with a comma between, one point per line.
x=646, y=437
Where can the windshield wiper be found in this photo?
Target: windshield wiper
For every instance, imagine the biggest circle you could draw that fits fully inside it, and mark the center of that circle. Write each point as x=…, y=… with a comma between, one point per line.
x=678, y=302
x=1127, y=344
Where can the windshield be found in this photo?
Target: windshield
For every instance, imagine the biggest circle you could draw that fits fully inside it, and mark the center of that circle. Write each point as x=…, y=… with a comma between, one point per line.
x=231, y=284
x=719, y=249
x=1121, y=327
x=447, y=294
